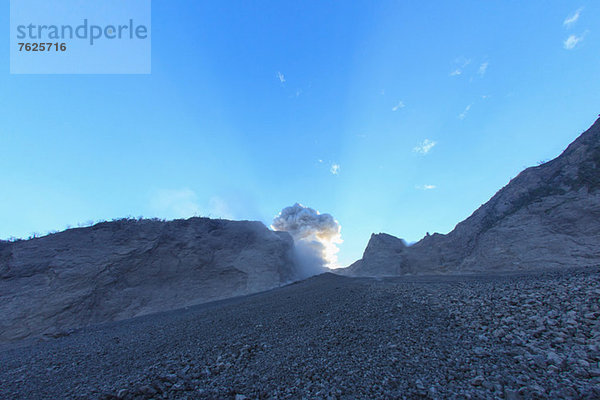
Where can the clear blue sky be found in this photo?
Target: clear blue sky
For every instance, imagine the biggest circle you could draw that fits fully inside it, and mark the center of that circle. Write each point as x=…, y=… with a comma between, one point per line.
x=251, y=104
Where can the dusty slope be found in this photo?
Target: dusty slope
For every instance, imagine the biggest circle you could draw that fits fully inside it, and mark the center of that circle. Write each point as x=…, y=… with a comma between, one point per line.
x=514, y=336
x=546, y=217
x=118, y=270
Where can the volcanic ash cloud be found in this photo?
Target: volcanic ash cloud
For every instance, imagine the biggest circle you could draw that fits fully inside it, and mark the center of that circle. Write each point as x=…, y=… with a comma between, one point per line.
x=315, y=236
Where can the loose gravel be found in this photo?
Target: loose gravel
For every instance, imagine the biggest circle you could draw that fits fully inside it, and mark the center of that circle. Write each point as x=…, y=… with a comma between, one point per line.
x=526, y=335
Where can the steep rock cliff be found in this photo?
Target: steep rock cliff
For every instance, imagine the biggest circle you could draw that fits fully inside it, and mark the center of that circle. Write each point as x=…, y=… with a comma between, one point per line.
x=122, y=269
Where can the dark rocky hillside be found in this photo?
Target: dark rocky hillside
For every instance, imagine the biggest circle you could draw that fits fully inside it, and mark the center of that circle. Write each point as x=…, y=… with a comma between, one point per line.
x=513, y=336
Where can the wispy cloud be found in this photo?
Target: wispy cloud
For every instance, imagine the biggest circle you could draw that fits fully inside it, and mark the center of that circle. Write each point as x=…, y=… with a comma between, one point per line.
x=335, y=169
x=425, y=147
x=573, y=18
x=426, y=187
x=463, y=114
x=482, y=68
x=281, y=77
x=398, y=106
x=461, y=63
x=572, y=41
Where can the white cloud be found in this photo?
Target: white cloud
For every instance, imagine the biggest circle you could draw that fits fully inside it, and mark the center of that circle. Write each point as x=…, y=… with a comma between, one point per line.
x=462, y=63
x=426, y=187
x=281, y=77
x=335, y=169
x=463, y=114
x=398, y=106
x=482, y=68
x=573, y=18
x=425, y=147
x=572, y=41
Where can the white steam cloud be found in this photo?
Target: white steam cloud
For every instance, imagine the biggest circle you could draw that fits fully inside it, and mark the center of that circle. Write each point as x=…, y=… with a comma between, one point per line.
x=316, y=237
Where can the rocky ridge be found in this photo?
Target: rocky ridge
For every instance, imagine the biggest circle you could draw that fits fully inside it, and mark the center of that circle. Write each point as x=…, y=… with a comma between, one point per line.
x=122, y=269
x=546, y=217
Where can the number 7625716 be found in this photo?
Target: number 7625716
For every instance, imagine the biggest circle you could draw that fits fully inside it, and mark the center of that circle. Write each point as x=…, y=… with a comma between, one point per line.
x=42, y=46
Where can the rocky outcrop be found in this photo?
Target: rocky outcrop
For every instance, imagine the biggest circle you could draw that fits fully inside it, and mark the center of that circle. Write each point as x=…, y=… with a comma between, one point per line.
x=122, y=269
x=384, y=256
x=548, y=216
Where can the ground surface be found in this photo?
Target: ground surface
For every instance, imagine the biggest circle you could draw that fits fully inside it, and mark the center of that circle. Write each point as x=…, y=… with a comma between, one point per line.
x=511, y=336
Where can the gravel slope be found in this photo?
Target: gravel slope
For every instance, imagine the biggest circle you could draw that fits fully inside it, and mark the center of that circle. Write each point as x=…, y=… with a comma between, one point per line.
x=497, y=336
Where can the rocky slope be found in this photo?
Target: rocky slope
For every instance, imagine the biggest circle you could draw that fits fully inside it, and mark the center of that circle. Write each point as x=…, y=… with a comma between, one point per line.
x=122, y=269
x=514, y=336
x=548, y=216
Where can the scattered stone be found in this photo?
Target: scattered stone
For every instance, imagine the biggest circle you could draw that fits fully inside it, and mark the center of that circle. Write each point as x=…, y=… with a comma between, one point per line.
x=317, y=341
x=553, y=358
x=477, y=381
x=147, y=390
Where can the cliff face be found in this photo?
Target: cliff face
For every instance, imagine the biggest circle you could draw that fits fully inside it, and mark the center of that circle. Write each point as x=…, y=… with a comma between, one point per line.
x=548, y=216
x=122, y=269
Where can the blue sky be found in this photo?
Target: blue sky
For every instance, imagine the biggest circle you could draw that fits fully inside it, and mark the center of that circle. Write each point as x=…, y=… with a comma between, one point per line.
x=397, y=117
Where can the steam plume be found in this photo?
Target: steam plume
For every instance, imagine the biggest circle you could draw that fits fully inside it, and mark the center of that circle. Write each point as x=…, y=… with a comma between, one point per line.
x=315, y=236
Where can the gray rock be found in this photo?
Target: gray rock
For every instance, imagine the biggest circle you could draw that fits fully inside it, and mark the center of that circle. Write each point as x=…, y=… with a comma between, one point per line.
x=384, y=256
x=553, y=358
x=477, y=381
x=147, y=390
x=122, y=269
x=511, y=394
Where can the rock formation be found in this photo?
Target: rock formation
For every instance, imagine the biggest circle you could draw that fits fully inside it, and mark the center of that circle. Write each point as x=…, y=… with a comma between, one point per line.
x=122, y=269
x=548, y=216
